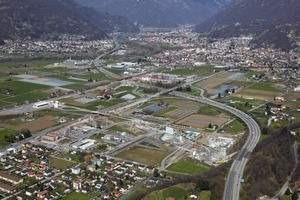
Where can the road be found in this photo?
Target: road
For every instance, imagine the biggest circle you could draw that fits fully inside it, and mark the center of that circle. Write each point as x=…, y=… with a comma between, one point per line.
x=232, y=186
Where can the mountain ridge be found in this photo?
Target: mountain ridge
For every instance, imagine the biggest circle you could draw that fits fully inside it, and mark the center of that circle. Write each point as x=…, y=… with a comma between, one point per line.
x=158, y=13
x=35, y=18
x=272, y=22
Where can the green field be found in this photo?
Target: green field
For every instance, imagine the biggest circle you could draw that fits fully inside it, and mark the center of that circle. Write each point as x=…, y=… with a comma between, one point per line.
x=143, y=155
x=263, y=137
x=94, y=105
x=37, y=63
x=79, y=196
x=264, y=86
x=204, y=195
x=120, y=128
x=188, y=166
x=208, y=110
x=136, y=193
x=3, y=133
x=22, y=92
x=176, y=192
x=164, y=111
x=235, y=127
x=125, y=88
x=60, y=163
x=251, y=73
x=115, y=71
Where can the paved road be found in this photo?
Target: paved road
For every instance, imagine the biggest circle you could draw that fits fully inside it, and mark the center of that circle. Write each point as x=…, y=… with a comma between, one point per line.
x=232, y=186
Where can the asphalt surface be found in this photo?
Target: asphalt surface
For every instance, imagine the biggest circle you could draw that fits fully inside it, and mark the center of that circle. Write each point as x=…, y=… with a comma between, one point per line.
x=233, y=181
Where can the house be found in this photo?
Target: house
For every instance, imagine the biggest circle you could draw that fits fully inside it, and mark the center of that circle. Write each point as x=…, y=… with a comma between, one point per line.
x=7, y=188
x=116, y=193
x=47, y=172
x=77, y=184
x=39, y=176
x=105, y=195
x=31, y=174
x=76, y=170
x=10, y=178
x=279, y=98
x=31, y=191
x=22, y=196
x=8, y=166
x=42, y=194
x=91, y=168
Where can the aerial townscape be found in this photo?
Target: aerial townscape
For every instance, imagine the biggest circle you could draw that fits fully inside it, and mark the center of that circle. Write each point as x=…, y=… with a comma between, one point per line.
x=150, y=100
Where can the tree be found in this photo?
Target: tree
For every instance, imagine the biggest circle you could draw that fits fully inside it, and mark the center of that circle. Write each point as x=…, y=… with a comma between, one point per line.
x=88, y=158
x=203, y=185
x=188, y=88
x=156, y=173
x=295, y=196
x=210, y=125
x=26, y=132
x=219, y=95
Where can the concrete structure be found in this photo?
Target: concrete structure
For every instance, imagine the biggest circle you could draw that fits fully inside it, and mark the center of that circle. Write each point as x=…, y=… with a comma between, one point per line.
x=169, y=130
x=128, y=97
x=7, y=188
x=51, y=137
x=76, y=63
x=10, y=178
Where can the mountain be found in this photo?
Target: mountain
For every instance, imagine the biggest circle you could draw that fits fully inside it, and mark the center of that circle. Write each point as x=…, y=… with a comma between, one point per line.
x=272, y=22
x=159, y=13
x=36, y=18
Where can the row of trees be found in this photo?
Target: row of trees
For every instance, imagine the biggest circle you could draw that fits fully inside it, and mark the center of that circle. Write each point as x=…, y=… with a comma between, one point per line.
x=24, y=133
x=186, y=88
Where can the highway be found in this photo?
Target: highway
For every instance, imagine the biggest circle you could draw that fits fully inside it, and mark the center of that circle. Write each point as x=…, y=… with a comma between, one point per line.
x=232, y=185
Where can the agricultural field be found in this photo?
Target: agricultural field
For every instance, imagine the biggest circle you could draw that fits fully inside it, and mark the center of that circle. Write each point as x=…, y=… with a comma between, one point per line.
x=15, y=65
x=20, y=92
x=176, y=108
x=202, y=121
x=92, y=105
x=179, y=192
x=234, y=127
x=208, y=110
x=123, y=128
x=181, y=108
x=143, y=155
x=188, y=166
x=79, y=195
x=34, y=126
x=213, y=83
x=204, y=70
x=260, y=91
x=60, y=163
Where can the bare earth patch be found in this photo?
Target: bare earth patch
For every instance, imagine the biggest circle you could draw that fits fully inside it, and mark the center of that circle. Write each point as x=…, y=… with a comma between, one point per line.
x=143, y=155
x=292, y=96
x=211, y=83
x=178, y=113
x=34, y=126
x=202, y=121
x=257, y=94
x=186, y=104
